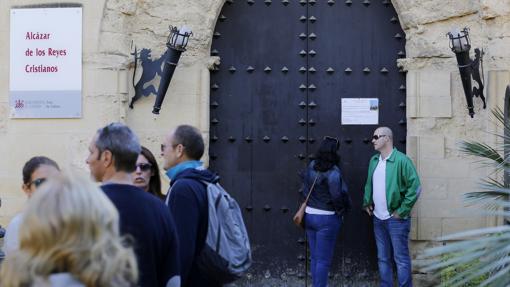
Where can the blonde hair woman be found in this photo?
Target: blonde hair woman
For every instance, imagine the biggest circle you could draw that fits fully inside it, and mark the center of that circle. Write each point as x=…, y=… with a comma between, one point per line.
x=70, y=237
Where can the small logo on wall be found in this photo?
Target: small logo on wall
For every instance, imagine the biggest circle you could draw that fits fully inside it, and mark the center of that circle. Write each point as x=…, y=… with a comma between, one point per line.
x=19, y=104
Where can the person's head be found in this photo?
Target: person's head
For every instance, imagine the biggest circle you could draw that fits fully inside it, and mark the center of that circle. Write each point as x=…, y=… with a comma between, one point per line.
x=182, y=144
x=113, y=149
x=326, y=156
x=70, y=226
x=383, y=139
x=36, y=171
x=146, y=176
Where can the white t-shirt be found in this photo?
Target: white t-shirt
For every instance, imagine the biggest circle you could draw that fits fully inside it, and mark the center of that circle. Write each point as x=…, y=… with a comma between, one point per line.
x=379, y=189
x=316, y=211
x=11, y=240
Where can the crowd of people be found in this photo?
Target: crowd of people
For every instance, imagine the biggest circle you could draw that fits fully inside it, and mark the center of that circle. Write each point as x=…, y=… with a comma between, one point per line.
x=126, y=232
x=74, y=233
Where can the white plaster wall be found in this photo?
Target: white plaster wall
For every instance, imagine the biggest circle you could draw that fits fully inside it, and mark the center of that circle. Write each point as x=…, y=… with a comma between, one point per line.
x=64, y=140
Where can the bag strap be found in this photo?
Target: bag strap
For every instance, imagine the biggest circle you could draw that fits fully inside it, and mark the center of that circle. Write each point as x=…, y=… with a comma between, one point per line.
x=311, y=188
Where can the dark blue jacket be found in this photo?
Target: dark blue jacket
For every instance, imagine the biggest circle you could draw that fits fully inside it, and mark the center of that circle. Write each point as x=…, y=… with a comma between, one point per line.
x=147, y=220
x=330, y=191
x=189, y=206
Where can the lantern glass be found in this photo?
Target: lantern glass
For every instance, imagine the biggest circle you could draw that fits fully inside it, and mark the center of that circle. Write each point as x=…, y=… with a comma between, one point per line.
x=459, y=40
x=178, y=38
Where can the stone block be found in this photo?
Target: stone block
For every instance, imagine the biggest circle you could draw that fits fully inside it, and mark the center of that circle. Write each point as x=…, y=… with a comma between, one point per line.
x=115, y=43
x=4, y=117
x=100, y=81
x=412, y=103
x=413, y=234
x=493, y=8
x=434, y=188
x=13, y=198
x=428, y=228
x=17, y=148
x=437, y=208
x=496, y=49
x=4, y=18
x=457, y=188
x=176, y=109
x=413, y=13
x=425, y=279
x=92, y=18
x=454, y=225
x=412, y=149
x=496, y=87
x=441, y=168
x=186, y=80
x=124, y=81
x=204, y=113
x=113, y=21
x=431, y=147
x=428, y=94
x=186, y=106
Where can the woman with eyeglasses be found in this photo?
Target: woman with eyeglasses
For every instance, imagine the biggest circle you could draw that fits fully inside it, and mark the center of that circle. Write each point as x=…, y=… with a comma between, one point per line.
x=146, y=176
x=35, y=172
x=326, y=205
x=70, y=238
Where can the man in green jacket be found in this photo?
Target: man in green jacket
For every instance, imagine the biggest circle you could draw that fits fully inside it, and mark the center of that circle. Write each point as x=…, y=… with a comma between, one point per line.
x=391, y=190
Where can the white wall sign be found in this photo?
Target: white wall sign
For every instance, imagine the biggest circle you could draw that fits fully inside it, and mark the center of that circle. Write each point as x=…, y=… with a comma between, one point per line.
x=357, y=111
x=45, y=63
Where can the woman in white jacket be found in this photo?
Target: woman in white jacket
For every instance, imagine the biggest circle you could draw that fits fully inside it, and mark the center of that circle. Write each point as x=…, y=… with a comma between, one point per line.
x=35, y=171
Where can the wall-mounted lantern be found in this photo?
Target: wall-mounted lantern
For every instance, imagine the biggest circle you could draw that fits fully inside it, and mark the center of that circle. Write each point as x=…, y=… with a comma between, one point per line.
x=163, y=66
x=460, y=45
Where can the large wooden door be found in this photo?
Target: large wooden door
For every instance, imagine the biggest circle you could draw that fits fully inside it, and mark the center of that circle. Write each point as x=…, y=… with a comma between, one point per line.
x=285, y=66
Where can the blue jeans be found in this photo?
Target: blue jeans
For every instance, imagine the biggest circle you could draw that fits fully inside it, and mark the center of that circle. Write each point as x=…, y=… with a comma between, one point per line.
x=322, y=231
x=393, y=235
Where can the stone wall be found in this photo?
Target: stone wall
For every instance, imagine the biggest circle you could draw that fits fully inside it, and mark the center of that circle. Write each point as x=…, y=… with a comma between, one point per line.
x=437, y=117
x=437, y=114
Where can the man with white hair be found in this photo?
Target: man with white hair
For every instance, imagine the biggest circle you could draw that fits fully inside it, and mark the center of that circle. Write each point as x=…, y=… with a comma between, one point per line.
x=391, y=190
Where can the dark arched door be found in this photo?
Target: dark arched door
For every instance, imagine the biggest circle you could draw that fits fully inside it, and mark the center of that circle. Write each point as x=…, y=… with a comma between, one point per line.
x=285, y=68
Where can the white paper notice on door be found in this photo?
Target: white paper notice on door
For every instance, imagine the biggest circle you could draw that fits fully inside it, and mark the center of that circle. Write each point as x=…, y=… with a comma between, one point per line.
x=360, y=111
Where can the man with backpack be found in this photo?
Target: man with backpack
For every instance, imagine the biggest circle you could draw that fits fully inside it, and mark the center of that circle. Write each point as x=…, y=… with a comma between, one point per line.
x=191, y=186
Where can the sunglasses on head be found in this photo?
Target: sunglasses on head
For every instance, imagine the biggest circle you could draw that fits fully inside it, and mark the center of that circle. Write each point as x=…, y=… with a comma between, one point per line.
x=37, y=182
x=376, y=137
x=144, y=166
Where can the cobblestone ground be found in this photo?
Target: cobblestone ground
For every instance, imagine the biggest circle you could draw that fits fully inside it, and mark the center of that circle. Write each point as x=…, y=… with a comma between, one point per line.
x=419, y=280
x=291, y=282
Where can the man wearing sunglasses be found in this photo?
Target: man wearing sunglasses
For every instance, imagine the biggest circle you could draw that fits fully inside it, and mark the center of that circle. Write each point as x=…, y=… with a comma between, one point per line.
x=187, y=198
x=391, y=190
